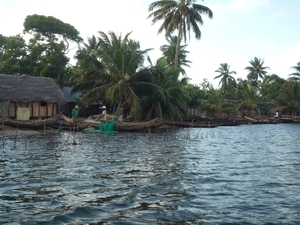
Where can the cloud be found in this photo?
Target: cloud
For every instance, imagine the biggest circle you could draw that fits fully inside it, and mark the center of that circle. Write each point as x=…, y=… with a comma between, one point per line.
x=247, y=5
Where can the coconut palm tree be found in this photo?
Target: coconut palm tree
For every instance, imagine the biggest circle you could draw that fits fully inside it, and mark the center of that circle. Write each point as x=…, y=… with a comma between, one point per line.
x=180, y=15
x=163, y=95
x=270, y=87
x=112, y=71
x=225, y=74
x=289, y=97
x=216, y=102
x=256, y=70
x=169, y=51
x=248, y=97
x=296, y=75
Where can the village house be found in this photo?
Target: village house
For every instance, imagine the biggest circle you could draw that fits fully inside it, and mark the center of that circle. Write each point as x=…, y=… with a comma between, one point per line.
x=25, y=98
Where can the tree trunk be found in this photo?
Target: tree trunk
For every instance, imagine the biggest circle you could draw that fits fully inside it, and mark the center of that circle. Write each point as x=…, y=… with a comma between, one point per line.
x=149, y=114
x=177, y=46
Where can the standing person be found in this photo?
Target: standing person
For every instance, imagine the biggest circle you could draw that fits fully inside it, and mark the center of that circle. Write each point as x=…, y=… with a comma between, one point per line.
x=120, y=114
x=75, y=114
x=276, y=115
x=103, y=115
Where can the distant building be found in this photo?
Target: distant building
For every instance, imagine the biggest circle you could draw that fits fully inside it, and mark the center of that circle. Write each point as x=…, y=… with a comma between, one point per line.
x=25, y=97
x=72, y=100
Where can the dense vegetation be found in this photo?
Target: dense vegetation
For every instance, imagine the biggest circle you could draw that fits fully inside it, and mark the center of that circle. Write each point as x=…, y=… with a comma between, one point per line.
x=112, y=68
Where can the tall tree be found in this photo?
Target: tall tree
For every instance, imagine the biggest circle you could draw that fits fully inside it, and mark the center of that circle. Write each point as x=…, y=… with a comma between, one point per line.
x=216, y=102
x=13, y=56
x=270, y=87
x=196, y=95
x=2, y=42
x=57, y=37
x=295, y=75
x=256, y=70
x=112, y=71
x=169, y=51
x=248, y=96
x=289, y=97
x=224, y=74
x=163, y=95
x=180, y=15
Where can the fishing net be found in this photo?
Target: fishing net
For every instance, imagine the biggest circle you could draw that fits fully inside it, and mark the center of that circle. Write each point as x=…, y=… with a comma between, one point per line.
x=107, y=128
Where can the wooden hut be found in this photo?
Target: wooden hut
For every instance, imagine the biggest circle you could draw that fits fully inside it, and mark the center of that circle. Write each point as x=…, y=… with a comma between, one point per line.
x=25, y=98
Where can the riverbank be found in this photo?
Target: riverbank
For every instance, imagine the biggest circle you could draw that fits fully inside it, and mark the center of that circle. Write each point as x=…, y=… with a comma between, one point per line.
x=201, y=122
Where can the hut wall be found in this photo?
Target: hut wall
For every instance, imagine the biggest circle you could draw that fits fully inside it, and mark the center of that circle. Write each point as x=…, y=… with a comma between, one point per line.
x=23, y=113
x=43, y=111
x=35, y=109
x=51, y=109
x=12, y=110
x=4, y=108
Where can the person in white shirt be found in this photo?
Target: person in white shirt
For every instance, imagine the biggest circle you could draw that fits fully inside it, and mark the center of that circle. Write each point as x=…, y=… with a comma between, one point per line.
x=103, y=115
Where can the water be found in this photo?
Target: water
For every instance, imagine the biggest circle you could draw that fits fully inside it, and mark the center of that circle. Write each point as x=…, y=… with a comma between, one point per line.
x=226, y=175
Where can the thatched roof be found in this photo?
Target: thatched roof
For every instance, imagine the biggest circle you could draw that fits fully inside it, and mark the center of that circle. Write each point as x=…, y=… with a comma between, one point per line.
x=29, y=89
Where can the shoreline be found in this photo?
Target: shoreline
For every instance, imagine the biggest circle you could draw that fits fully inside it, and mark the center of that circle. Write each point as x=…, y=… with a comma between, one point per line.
x=209, y=122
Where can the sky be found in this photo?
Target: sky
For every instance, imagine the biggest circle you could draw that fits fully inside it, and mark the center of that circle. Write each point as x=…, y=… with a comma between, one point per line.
x=239, y=31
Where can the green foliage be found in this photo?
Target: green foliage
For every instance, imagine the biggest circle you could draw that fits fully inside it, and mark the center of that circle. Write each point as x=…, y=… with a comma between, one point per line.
x=169, y=52
x=196, y=95
x=2, y=42
x=224, y=74
x=206, y=85
x=163, y=95
x=295, y=75
x=216, y=103
x=111, y=68
x=289, y=97
x=248, y=96
x=51, y=38
x=13, y=57
x=51, y=28
x=180, y=15
x=270, y=87
x=256, y=70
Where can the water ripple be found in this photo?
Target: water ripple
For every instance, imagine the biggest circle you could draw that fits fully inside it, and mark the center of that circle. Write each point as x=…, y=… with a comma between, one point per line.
x=224, y=175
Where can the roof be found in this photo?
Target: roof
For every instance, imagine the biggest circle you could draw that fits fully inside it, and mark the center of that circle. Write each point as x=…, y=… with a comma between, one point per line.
x=76, y=96
x=70, y=97
x=29, y=89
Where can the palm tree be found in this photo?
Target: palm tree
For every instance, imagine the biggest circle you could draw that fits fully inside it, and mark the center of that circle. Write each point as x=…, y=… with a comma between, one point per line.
x=248, y=97
x=112, y=71
x=225, y=76
x=163, y=95
x=216, y=102
x=289, y=97
x=270, y=87
x=296, y=75
x=169, y=51
x=256, y=70
x=181, y=15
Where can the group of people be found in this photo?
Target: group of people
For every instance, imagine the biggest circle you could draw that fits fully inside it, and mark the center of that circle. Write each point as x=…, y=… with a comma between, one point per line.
x=103, y=116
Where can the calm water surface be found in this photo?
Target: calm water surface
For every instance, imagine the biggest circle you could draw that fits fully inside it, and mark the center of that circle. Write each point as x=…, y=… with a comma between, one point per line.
x=226, y=175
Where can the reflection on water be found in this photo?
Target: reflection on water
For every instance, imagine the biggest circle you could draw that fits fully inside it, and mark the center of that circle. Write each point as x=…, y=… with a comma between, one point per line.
x=225, y=175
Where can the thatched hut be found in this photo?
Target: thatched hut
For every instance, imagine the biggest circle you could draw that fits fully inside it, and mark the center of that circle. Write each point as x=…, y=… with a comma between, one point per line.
x=24, y=97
